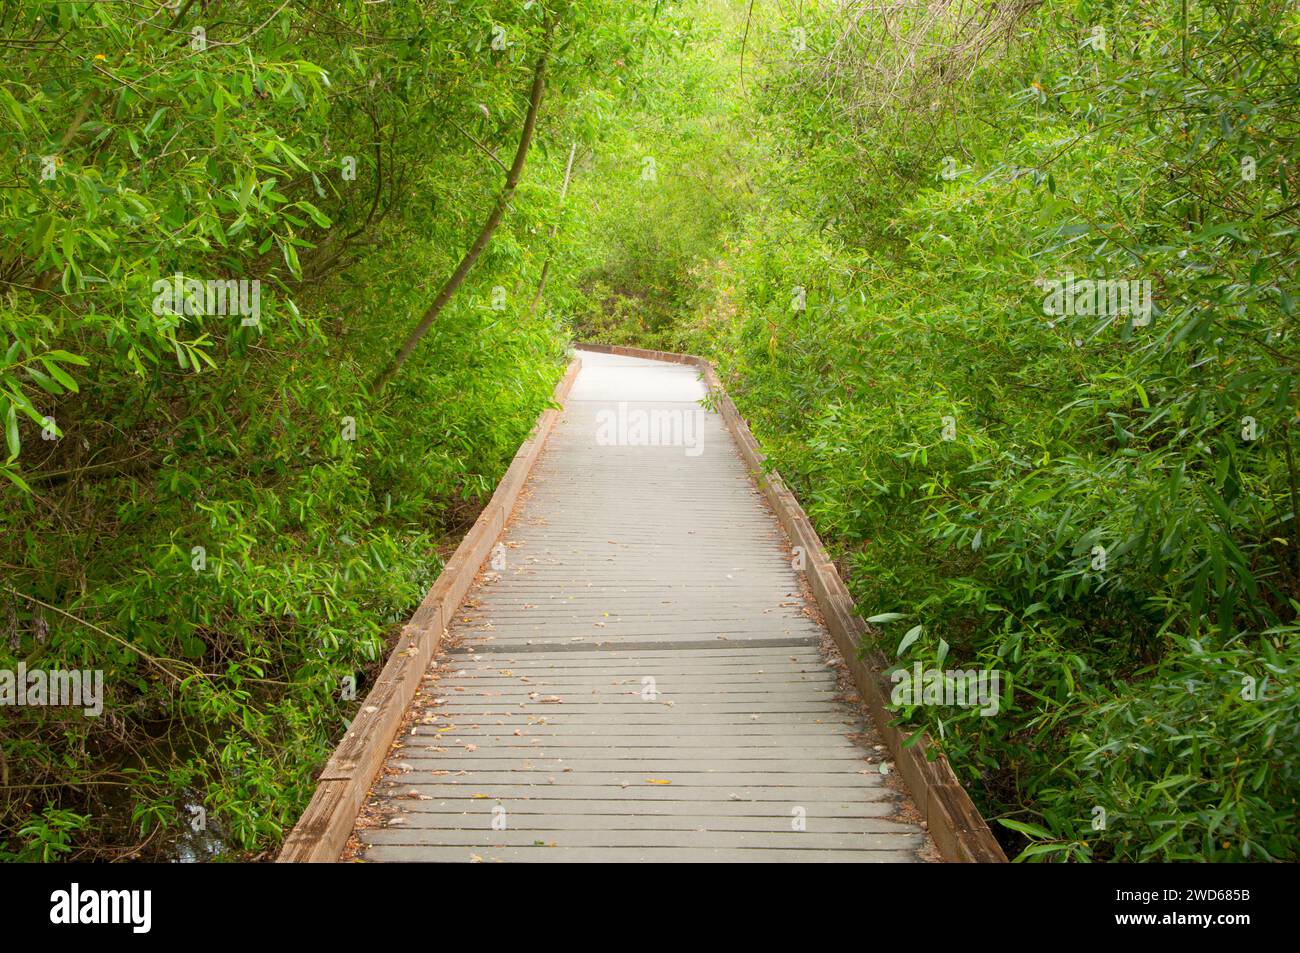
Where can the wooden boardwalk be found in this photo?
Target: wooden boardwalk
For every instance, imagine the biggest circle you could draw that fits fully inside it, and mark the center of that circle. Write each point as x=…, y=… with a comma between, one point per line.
x=639, y=677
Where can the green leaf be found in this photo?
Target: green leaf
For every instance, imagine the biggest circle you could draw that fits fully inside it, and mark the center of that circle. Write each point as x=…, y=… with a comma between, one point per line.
x=912, y=635
x=45, y=384
x=18, y=481
x=11, y=432
x=66, y=358
x=1029, y=830
x=886, y=617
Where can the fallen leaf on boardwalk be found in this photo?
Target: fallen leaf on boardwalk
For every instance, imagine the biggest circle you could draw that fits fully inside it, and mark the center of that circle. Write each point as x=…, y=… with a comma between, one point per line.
x=471, y=747
x=656, y=781
x=519, y=732
x=481, y=795
x=599, y=625
x=553, y=699
x=475, y=859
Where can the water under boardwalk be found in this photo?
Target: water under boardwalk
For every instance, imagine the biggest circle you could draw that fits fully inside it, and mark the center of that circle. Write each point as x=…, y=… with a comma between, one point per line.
x=641, y=679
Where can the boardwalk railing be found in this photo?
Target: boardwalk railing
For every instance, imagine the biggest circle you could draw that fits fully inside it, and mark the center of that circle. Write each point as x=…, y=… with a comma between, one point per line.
x=956, y=827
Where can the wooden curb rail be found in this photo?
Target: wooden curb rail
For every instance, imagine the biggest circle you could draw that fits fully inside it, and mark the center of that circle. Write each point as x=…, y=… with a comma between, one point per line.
x=959, y=831
x=323, y=830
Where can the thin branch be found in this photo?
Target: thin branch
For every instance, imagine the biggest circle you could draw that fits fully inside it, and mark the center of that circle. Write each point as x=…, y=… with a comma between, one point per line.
x=485, y=234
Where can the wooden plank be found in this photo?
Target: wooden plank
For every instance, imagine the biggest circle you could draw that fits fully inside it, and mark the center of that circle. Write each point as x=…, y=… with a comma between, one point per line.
x=787, y=839
x=537, y=769
x=736, y=733
x=675, y=720
x=631, y=855
x=751, y=746
x=641, y=814
x=596, y=794
x=858, y=822
x=647, y=774
x=613, y=757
